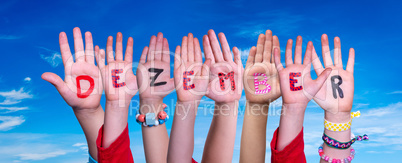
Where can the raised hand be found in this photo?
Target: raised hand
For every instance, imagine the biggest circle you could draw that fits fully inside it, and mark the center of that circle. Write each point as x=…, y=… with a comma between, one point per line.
x=261, y=80
x=296, y=84
x=190, y=75
x=153, y=71
x=82, y=86
x=336, y=95
x=225, y=81
x=119, y=81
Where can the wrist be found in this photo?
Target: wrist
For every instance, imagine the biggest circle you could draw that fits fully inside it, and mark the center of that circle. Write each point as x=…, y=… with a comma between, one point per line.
x=257, y=109
x=88, y=111
x=151, y=105
x=294, y=109
x=339, y=117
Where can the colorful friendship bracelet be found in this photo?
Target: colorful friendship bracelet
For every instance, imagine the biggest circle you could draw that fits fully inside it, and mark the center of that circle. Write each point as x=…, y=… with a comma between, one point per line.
x=333, y=160
x=150, y=120
x=342, y=145
x=341, y=126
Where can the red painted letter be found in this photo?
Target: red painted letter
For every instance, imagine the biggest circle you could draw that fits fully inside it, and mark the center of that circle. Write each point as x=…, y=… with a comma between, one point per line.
x=90, y=89
x=115, y=78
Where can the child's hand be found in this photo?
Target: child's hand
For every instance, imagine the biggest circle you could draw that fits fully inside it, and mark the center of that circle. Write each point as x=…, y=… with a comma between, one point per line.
x=261, y=66
x=297, y=87
x=153, y=71
x=191, y=76
x=119, y=80
x=336, y=95
x=225, y=81
x=86, y=94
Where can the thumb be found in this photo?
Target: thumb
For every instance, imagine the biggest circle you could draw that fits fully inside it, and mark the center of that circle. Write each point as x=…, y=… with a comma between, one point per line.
x=205, y=67
x=54, y=79
x=322, y=78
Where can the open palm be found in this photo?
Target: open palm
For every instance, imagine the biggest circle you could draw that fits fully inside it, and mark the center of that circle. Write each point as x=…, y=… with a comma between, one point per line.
x=297, y=86
x=153, y=72
x=336, y=95
x=260, y=65
x=226, y=73
x=188, y=66
x=119, y=81
x=83, y=67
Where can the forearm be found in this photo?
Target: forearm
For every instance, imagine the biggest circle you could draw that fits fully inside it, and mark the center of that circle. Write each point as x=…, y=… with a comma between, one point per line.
x=342, y=136
x=221, y=136
x=181, y=143
x=291, y=123
x=115, y=121
x=253, y=138
x=91, y=121
x=155, y=138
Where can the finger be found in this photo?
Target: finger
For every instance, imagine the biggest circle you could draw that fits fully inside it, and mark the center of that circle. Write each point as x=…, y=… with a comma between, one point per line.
x=275, y=44
x=298, y=50
x=197, y=51
x=100, y=57
x=325, y=51
x=205, y=67
x=151, y=49
x=321, y=80
x=190, y=48
x=267, y=46
x=216, y=49
x=128, y=57
x=251, y=56
x=119, y=47
x=78, y=45
x=237, y=57
x=277, y=59
x=144, y=55
x=227, y=55
x=177, y=59
x=308, y=56
x=337, y=52
x=260, y=48
x=317, y=65
x=288, y=53
x=159, y=46
x=351, y=61
x=65, y=50
x=55, y=80
x=109, y=50
x=166, y=51
x=89, y=48
x=207, y=49
x=184, y=45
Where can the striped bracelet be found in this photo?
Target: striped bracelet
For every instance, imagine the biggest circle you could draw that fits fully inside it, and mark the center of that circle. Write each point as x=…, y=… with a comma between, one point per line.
x=340, y=126
x=342, y=145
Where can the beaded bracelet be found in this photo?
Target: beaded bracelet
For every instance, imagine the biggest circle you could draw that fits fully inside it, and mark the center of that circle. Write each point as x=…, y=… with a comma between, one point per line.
x=331, y=160
x=341, y=126
x=342, y=145
x=150, y=120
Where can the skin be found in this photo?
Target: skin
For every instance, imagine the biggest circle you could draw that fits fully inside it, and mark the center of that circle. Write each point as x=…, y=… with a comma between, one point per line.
x=117, y=99
x=188, y=57
x=157, y=55
x=88, y=110
x=253, y=146
x=295, y=102
x=336, y=110
x=220, y=141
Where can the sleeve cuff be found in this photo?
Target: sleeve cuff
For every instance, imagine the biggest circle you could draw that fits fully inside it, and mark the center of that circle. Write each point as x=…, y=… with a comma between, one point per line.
x=118, y=147
x=294, y=152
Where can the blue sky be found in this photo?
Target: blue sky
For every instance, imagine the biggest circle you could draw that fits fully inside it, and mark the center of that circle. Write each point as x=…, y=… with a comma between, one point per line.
x=36, y=125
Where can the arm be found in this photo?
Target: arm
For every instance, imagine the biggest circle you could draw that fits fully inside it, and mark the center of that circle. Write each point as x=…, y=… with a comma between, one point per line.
x=87, y=109
x=337, y=97
x=191, y=80
x=225, y=88
x=154, y=83
x=259, y=66
x=297, y=89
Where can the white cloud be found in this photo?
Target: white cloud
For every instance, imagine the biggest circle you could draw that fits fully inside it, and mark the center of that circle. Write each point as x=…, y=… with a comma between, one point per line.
x=379, y=112
x=41, y=156
x=79, y=144
x=14, y=97
x=12, y=109
x=9, y=37
x=395, y=92
x=27, y=79
x=9, y=122
x=51, y=56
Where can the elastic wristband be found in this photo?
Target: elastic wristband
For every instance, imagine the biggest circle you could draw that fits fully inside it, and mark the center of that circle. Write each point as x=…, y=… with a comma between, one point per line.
x=333, y=160
x=150, y=119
